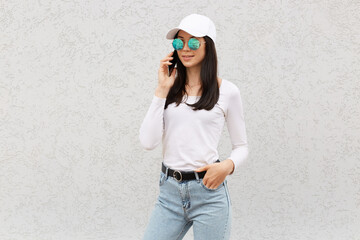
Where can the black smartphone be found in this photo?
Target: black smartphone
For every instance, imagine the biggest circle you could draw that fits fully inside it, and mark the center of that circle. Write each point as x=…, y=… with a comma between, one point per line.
x=173, y=61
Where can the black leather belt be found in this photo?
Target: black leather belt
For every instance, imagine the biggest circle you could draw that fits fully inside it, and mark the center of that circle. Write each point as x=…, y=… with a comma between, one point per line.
x=182, y=175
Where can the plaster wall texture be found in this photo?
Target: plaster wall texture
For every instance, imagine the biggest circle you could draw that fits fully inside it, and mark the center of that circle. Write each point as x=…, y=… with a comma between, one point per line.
x=77, y=77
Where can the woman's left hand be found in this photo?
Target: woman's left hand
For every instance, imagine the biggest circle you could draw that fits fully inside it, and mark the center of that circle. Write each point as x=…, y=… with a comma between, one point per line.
x=216, y=173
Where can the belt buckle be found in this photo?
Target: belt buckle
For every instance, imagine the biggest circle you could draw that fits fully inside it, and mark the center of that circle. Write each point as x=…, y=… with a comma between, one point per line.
x=174, y=175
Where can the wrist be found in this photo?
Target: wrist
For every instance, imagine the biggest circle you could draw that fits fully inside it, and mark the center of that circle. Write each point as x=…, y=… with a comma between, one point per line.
x=230, y=165
x=161, y=92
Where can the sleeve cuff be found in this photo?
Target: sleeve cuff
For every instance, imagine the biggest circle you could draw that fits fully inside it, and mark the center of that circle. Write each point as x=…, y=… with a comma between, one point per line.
x=158, y=101
x=234, y=165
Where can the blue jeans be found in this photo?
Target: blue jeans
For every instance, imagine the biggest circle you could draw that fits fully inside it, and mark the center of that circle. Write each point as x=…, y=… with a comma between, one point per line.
x=181, y=205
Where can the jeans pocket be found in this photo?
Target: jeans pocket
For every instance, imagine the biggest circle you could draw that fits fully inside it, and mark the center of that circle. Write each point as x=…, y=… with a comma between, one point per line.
x=209, y=189
x=162, y=178
x=228, y=193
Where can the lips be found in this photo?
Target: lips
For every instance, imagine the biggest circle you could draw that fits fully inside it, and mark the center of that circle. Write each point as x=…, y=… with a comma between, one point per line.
x=187, y=57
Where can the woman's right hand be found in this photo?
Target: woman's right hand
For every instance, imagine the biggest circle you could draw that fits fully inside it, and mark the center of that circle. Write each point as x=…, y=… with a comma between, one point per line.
x=165, y=81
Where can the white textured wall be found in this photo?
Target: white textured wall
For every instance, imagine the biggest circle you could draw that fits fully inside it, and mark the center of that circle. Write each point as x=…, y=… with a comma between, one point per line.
x=77, y=77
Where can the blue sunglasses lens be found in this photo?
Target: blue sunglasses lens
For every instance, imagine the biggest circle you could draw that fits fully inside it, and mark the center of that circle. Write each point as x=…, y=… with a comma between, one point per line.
x=177, y=44
x=193, y=44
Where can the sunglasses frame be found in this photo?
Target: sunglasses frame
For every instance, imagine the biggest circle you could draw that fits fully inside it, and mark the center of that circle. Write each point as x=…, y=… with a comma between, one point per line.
x=187, y=43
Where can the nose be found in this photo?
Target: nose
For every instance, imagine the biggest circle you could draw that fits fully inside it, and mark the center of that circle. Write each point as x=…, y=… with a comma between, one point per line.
x=186, y=46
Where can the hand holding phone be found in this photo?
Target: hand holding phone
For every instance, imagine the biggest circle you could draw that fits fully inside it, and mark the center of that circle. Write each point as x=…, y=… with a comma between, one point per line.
x=166, y=73
x=173, y=62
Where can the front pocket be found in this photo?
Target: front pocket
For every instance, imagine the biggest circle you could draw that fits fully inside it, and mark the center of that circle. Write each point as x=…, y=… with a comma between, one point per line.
x=162, y=178
x=209, y=189
x=228, y=193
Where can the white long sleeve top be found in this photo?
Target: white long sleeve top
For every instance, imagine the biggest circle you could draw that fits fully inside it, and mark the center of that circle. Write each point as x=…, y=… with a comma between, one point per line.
x=190, y=138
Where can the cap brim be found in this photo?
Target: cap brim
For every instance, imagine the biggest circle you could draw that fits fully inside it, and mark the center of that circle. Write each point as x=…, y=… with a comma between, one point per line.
x=171, y=34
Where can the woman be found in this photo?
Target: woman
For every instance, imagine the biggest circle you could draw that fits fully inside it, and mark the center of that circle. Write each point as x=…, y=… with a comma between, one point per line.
x=188, y=113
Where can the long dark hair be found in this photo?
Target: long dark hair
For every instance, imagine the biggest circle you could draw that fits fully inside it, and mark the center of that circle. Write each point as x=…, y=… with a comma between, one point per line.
x=208, y=76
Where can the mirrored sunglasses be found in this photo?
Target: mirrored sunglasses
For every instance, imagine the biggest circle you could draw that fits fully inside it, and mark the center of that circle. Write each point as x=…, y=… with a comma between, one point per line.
x=193, y=44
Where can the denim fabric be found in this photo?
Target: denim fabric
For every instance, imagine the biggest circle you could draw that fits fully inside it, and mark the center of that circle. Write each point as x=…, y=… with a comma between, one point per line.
x=181, y=205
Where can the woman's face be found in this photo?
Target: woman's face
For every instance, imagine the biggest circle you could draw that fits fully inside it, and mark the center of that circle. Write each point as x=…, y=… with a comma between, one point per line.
x=198, y=54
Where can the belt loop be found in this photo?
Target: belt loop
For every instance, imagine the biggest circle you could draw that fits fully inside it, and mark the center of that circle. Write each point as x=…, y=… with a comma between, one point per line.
x=166, y=172
x=197, y=176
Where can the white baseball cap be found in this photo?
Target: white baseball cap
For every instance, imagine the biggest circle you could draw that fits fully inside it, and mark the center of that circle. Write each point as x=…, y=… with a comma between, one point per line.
x=196, y=25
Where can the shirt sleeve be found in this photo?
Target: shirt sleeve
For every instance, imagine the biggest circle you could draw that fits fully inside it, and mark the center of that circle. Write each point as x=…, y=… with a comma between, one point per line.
x=237, y=130
x=152, y=127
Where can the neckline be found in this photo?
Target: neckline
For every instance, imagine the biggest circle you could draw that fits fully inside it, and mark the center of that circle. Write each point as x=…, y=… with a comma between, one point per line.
x=222, y=81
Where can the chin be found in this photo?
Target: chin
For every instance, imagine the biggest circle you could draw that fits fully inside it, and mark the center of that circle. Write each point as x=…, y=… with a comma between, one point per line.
x=189, y=64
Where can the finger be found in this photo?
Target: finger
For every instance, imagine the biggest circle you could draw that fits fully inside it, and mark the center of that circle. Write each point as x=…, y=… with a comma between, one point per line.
x=212, y=186
x=163, y=67
x=204, y=181
x=169, y=55
x=166, y=59
x=173, y=72
x=164, y=64
x=207, y=184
